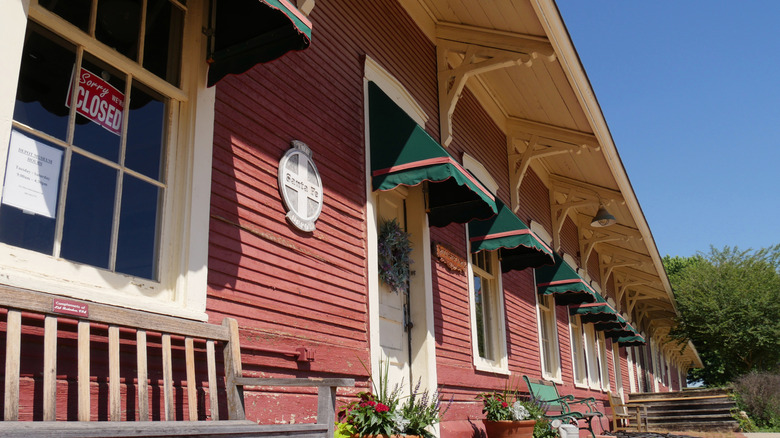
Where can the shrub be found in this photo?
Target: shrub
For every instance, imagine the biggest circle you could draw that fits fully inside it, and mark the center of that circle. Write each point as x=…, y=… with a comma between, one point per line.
x=758, y=394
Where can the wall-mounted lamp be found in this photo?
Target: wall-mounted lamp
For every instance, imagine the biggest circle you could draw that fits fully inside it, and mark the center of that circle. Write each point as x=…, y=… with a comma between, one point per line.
x=603, y=218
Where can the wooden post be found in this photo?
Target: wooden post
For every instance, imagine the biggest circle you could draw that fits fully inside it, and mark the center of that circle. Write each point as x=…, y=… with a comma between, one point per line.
x=83, y=371
x=143, y=385
x=235, y=396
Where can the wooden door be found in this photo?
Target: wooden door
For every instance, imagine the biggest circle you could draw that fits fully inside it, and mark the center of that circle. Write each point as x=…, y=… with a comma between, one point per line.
x=393, y=306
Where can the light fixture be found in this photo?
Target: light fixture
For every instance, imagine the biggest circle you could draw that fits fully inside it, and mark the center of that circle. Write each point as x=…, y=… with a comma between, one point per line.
x=603, y=218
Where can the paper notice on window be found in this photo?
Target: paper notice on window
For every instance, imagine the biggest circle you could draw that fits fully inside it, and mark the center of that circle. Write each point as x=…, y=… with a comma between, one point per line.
x=32, y=176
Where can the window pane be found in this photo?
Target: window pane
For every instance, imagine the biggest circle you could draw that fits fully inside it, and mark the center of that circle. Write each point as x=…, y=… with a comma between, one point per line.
x=75, y=12
x=98, y=133
x=479, y=310
x=162, y=47
x=86, y=235
x=145, y=132
x=118, y=25
x=44, y=79
x=136, y=251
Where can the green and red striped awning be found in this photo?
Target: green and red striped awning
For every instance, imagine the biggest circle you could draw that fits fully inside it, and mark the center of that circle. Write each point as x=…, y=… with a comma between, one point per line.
x=630, y=341
x=596, y=312
x=518, y=246
x=563, y=281
x=402, y=153
x=250, y=32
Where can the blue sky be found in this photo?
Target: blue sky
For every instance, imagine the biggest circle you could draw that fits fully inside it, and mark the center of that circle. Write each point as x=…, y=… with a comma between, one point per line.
x=691, y=93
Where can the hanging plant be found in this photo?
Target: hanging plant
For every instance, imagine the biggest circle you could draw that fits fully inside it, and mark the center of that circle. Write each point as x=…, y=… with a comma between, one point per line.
x=394, y=248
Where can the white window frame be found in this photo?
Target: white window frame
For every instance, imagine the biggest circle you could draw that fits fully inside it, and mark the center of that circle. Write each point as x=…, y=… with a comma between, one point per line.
x=550, y=357
x=631, y=369
x=603, y=361
x=495, y=336
x=618, y=370
x=591, y=357
x=183, y=257
x=576, y=335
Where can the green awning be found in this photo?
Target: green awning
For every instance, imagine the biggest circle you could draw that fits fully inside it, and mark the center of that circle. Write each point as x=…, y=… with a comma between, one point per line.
x=631, y=341
x=598, y=311
x=518, y=246
x=617, y=329
x=564, y=282
x=249, y=32
x=402, y=153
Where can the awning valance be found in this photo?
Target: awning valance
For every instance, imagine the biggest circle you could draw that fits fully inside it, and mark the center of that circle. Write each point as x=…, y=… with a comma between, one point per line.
x=249, y=32
x=402, y=153
x=563, y=281
x=519, y=247
x=631, y=341
x=598, y=311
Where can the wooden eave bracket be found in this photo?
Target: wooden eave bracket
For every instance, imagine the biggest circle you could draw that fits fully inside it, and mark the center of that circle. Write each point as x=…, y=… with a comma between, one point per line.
x=305, y=6
x=567, y=194
x=467, y=51
x=590, y=237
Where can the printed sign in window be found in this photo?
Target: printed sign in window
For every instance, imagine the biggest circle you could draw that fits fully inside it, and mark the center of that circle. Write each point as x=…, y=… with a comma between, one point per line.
x=32, y=176
x=98, y=101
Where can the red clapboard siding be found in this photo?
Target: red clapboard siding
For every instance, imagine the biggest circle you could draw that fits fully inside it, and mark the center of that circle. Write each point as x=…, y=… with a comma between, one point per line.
x=593, y=268
x=570, y=238
x=534, y=201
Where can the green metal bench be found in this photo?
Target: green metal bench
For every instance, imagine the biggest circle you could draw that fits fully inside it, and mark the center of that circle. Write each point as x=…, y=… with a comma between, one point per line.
x=560, y=407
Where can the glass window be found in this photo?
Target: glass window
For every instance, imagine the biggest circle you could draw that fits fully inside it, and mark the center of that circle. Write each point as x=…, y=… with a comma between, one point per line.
x=603, y=364
x=548, y=332
x=488, y=310
x=109, y=128
x=577, y=350
x=591, y=356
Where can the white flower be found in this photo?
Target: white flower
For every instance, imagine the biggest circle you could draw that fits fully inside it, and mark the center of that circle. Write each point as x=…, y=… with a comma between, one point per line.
x=399, y=422
x=519, y=412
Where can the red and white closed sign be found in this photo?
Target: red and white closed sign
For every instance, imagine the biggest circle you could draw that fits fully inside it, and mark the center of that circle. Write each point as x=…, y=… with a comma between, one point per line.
x=98, y=101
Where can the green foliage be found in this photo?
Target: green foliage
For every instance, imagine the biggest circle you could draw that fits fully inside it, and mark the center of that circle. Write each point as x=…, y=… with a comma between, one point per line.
x=510, y=405
x=393, y=248
x=758, y=394
x=729, y=302
x=383, y=413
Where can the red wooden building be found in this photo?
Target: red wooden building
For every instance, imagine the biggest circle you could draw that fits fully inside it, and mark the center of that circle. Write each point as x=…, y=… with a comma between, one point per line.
x=255, y=186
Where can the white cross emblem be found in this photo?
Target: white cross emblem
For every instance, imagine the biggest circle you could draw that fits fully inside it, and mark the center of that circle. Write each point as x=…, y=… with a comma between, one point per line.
x=300, y=186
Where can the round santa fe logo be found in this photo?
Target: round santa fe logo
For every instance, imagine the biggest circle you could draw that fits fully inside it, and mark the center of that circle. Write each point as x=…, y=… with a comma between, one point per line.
x=300, y=186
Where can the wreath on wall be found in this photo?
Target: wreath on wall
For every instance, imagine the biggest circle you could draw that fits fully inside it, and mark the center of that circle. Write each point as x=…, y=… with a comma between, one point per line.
x=394, y=248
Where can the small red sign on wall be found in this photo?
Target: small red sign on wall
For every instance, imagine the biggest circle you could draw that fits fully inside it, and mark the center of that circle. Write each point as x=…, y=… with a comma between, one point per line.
x=68, y=307
x=98, y=101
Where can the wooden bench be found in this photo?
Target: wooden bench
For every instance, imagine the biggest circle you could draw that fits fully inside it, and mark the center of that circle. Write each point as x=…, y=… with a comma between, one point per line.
x=94, y=343
x=560, y=407
x=623, y=418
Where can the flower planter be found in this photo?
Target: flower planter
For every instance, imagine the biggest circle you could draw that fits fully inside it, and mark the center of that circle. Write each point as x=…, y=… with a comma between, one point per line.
x=509, y=429
x=386, y=436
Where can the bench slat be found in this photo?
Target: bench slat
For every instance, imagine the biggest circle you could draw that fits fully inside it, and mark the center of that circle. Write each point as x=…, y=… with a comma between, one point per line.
x=228, y=428
x=114, y=403
x=192, y=391
x=212, y=371
x=143, y=384
x=13, y=348
x=50, y=368
x=167, y=365
x=83, y=371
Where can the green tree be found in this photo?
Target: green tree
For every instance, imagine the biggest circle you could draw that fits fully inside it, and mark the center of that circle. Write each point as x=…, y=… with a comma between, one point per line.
x=729, y=305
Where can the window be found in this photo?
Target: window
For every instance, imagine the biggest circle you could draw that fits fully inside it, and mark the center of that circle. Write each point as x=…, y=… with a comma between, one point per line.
x=618, y=370
x=591, y=356
x=548, y=337
x=577, y=351
x=603, y=364
x=489, y=340
x=99, y=145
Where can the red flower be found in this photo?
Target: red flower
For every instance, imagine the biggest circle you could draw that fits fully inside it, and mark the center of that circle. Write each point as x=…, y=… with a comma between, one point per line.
x=371, y=403
x=504, y=404
x=381, y=407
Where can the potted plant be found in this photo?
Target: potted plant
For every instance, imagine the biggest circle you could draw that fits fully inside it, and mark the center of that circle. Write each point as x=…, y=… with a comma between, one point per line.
x=508, y=415
x=387, y=413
